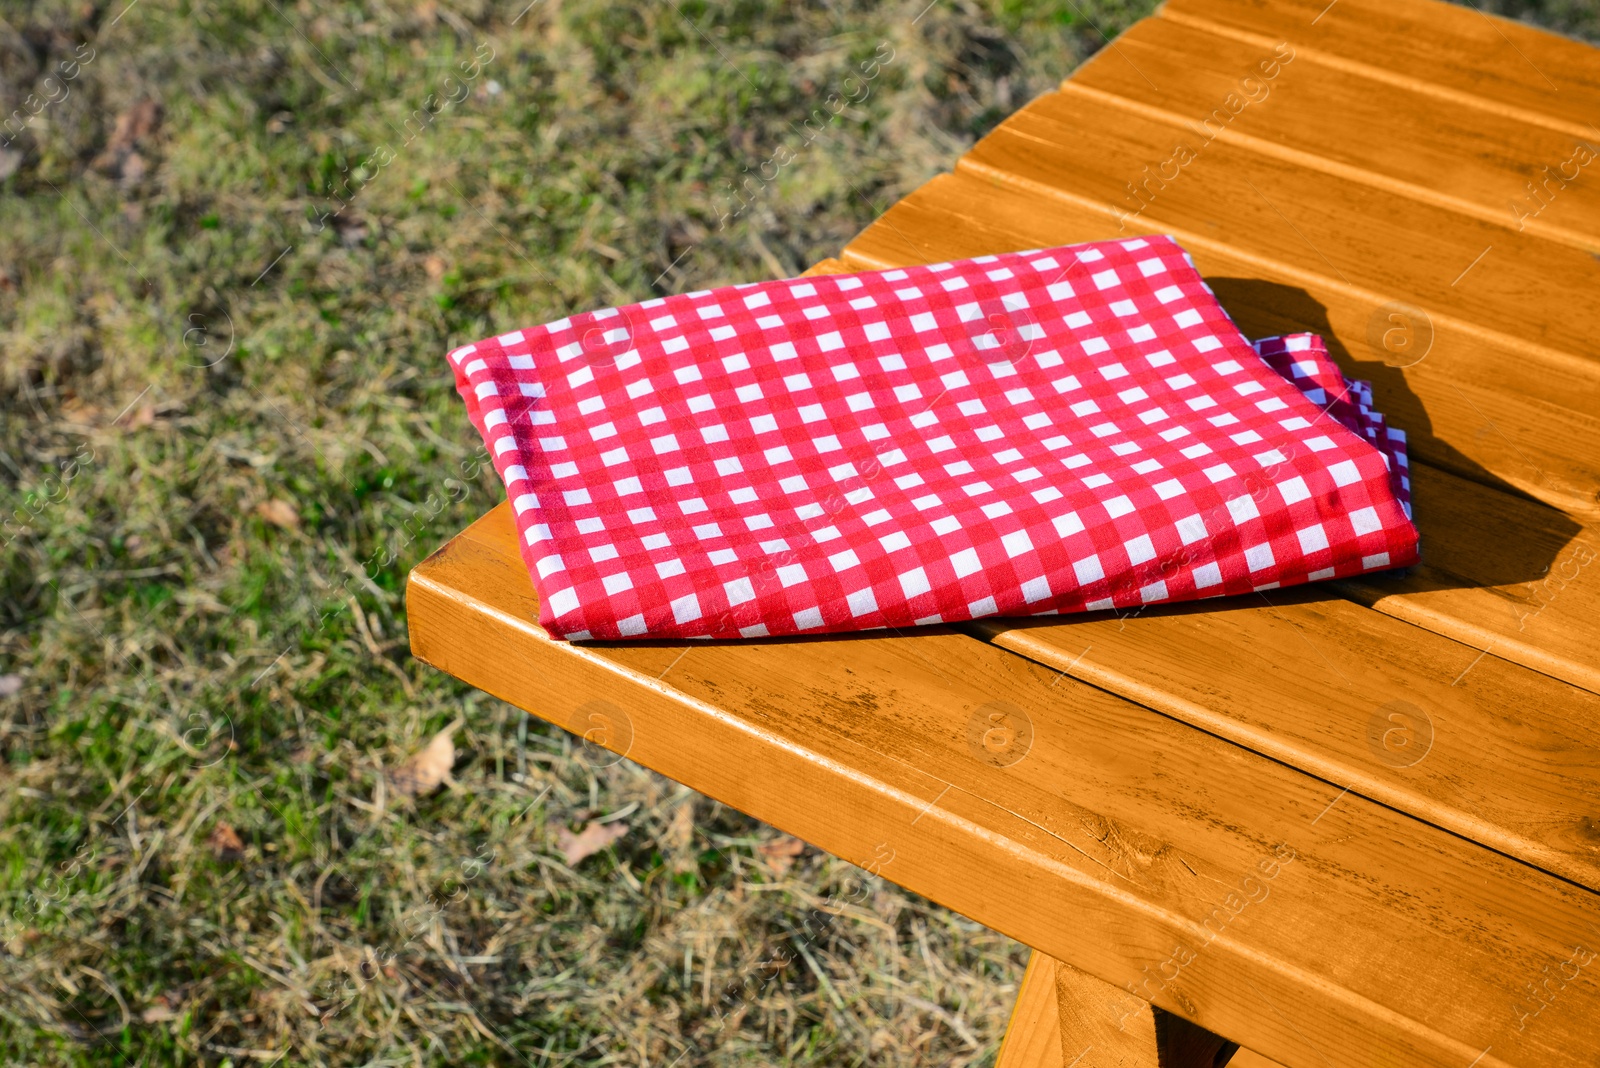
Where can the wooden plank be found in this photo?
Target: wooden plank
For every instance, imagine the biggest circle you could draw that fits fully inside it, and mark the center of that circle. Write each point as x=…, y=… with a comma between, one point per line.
x=1477, y=745
x=1476, y=583
x=1250, y=1059
x=1033, y=1038
x=1116, y=1029
x=1453, y=53
x=1384, y=699
x=1368, y=241
x=1205, y=86
x=1114, y=836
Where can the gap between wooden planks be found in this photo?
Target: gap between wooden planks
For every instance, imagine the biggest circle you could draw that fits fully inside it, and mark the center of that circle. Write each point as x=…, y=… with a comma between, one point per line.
x=1464, y=157
x=1453, y=54
x=1365, y=240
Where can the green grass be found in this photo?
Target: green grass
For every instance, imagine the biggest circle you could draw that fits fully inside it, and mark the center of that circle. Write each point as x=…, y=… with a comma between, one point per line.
x=192, y=326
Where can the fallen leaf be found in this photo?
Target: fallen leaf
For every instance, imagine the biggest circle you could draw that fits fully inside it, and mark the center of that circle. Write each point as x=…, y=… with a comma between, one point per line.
x=280, y=513
x=135, y=126
x=422, y=773
x=138, y=418
x=164, y=1006
x=10, y=685
x=78, y=410
x=225, y=843
x=780, y=853
x=435, y=267
x=592, y=839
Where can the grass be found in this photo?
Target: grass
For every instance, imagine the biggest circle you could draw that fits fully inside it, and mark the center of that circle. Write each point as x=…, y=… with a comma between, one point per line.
x=234, y=247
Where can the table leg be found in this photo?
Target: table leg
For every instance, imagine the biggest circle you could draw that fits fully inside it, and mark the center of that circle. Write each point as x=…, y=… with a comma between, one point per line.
x=1033, y=1038
x=1065, y=1018
x=1103, y=1026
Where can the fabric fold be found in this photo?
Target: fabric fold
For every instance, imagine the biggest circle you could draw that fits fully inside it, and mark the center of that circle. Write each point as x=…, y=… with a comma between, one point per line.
x=1053, y=431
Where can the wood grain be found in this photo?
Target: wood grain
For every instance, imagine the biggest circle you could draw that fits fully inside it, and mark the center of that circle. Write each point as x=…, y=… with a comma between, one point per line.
x=1479, y=746
x=1450, y=53
x=1119, y=838
x=1033, y=1037
x=1462, y=156
x=1470, y=742
x=1108, y=1027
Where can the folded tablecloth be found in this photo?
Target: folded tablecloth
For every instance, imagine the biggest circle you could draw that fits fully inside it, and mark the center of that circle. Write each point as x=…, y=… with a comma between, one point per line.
x=1054, y=431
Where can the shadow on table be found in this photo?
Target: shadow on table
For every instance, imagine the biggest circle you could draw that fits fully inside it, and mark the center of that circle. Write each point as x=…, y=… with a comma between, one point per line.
x=1262, y=309
x=1487, y=545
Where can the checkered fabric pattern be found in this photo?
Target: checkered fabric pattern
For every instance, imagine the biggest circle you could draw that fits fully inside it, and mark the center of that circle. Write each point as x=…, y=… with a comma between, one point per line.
x=1063, y=430
x=1304, y=360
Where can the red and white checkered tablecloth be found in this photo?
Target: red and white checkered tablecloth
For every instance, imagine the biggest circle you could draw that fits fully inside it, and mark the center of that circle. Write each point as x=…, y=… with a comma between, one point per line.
x=1062, y=430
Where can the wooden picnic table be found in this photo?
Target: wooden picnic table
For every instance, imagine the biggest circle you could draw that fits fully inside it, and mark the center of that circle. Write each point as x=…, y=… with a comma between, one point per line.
x=1345, y=825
